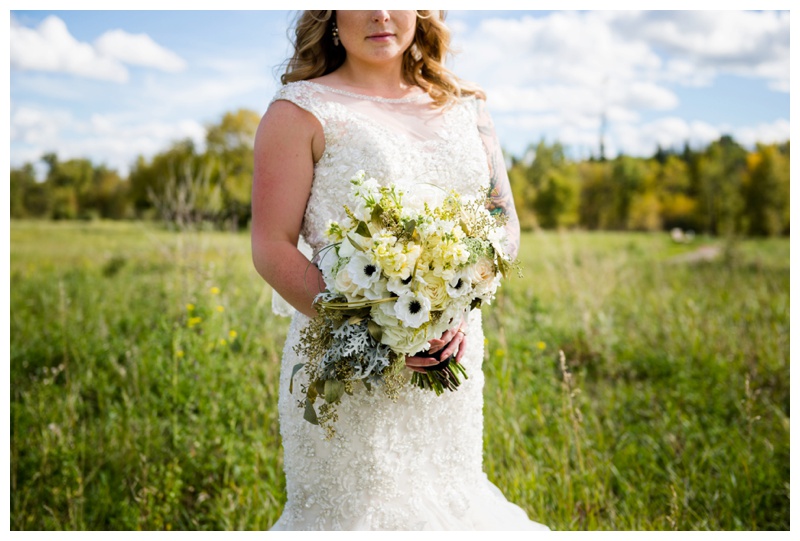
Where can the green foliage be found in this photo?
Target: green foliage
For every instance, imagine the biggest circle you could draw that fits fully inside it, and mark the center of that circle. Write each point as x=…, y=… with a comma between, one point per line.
x=144, y=372
x=721, y=190
x=766, y=192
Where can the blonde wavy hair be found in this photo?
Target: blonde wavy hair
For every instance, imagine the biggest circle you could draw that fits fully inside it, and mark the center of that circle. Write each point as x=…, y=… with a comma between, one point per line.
x=315, y=55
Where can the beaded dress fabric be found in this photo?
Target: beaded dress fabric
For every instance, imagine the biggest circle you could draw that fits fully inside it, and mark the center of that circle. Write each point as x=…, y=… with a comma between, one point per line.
x=414, y=463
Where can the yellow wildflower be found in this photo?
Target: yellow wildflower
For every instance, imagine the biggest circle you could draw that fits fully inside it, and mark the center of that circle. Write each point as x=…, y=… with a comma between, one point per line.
x=194, y=321
x=179, y=354
x=223, y=342
x=189, y=307
x=232, y=334
x=215, y=290
x=541, y=345
x=220, y=308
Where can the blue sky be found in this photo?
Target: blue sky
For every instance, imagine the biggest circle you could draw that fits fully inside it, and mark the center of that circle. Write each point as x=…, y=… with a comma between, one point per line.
x=111, y=85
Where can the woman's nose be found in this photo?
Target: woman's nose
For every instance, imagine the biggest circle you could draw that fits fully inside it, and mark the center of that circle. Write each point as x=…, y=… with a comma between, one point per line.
x=380, y=15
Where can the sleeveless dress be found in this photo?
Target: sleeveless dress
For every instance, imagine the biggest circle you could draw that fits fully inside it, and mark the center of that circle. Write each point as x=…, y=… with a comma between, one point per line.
x=415, y=463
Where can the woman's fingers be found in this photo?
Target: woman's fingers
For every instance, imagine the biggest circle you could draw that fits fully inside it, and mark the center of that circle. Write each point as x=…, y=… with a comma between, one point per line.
x=451, y=347
x=418, y=364
x=438, y=343
x=462, y=347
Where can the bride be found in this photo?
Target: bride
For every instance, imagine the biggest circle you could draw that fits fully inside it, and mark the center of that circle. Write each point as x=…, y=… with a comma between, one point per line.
x=367, y=90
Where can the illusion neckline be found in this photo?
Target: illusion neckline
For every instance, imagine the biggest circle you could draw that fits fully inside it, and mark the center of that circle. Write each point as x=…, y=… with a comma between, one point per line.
x=407, y=99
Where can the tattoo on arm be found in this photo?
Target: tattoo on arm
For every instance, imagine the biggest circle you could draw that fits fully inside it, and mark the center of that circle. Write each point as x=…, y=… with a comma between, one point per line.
x=501, y=200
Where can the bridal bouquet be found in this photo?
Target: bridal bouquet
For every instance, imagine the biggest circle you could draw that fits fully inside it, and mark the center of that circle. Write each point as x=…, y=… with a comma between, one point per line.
x=400, y=271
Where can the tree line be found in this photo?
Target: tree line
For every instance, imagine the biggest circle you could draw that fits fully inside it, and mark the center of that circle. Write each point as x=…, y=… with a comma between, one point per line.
x=721, y=189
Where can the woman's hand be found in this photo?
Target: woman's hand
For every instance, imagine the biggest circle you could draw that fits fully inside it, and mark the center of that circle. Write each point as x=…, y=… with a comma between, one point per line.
x=452, y=339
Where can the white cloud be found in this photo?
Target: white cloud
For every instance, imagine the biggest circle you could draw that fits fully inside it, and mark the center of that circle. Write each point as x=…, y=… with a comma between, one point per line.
x=138, y=50
x=34, y=126
x=771, y=132
x=111, y=139
x=747, y=43
x=50, y=47
x=557, y=75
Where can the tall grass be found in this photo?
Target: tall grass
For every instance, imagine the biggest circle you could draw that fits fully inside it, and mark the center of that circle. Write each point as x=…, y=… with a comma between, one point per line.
x=624, y=390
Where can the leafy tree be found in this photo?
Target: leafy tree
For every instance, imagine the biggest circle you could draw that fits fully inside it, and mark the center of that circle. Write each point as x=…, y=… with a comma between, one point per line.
x=766, y=191
x=596, y=206
x=23, y=184
x=678, y=207
x=558, y=198
x=721, y=170
x=230, y=143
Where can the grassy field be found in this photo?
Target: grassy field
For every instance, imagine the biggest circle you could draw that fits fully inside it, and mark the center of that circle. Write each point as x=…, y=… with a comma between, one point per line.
x=624, y=390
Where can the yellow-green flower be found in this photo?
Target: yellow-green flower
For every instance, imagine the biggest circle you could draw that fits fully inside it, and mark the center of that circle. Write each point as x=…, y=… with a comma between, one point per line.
x=215, y=290
x=223, y=342
x=541, y=345
x=189, y=307
x=194, y=321
x=220, y=308
x=233, y=334
x=179, y=354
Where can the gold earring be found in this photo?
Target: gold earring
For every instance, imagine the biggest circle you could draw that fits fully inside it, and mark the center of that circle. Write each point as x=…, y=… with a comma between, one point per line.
x=335, y=33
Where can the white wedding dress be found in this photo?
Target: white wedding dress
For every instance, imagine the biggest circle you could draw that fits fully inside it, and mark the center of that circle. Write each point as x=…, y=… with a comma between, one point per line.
x=413, y=464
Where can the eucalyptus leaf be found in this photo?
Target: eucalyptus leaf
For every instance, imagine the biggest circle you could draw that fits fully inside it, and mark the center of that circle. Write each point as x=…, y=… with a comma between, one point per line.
x=375, y=331
x=295, y=369
x=363, y=229
x=334, y=390
x=377, y=212
x=503, y=266
x=319, y=387
x=356, y=246
x=310, y=414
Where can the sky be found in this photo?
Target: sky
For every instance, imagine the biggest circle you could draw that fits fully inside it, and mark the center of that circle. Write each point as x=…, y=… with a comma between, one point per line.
x=113, y=85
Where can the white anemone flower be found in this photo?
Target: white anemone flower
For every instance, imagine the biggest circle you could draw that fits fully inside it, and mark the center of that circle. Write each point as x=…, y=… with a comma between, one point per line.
x=363, y=270
x=398, y=286
x=377, y=291
x=459, y=285
x=413, y=310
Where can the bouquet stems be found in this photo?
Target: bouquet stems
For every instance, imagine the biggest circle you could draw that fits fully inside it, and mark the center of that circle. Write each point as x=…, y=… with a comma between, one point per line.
x=443, y=376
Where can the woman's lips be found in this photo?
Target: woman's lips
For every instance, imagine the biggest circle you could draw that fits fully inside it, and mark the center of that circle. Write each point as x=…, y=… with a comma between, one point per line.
x=382, y=36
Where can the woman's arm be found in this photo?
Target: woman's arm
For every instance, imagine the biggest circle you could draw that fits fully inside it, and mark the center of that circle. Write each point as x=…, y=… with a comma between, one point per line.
x=501, y=199
x=288, y=142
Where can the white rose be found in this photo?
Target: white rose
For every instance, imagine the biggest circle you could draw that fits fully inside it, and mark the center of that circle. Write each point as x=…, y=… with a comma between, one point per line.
x=405, y=340
x=435, y=289
x=343, y=283
x=424, y=193
x=480, y=271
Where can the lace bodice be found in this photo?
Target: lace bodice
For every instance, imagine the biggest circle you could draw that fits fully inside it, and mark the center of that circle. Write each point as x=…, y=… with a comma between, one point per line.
x=404, y=141
x=415, y=463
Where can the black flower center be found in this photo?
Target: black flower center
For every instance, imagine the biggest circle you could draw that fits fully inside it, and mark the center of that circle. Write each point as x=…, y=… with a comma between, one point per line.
x=414, y=307
x=407, y=280
x=369, y=270
x=459, y=284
